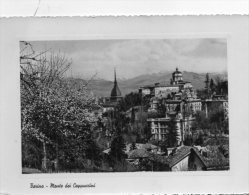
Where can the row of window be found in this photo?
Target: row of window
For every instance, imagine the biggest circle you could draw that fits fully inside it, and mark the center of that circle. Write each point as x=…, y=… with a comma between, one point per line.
x=161, y=131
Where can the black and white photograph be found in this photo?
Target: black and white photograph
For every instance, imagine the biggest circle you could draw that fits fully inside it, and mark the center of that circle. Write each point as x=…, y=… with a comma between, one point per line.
x=124, y=105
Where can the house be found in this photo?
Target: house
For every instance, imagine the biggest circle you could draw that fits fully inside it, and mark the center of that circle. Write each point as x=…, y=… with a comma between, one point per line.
x=186, y=158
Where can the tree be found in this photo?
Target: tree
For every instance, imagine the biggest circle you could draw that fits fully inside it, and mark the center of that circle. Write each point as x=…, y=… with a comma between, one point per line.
x=133, y=146
x=172, y=136
x=212, y=85
x=199, y=140
x=188, y=140
x=117, y=149
x=164, y=145
x=221, y=86
x=207, y=81
x=132, y=115
x=130, y=100
x=218, y=121
x=54, y=111
x=201, y=121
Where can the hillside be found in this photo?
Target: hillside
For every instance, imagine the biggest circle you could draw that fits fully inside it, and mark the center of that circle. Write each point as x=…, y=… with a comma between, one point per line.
x=104, y=87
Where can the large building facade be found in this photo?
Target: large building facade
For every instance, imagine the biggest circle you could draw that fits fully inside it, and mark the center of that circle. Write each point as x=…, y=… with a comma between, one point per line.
x=180, y=104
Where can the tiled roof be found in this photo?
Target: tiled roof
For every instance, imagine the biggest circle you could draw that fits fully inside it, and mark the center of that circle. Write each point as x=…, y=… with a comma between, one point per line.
x=158, y=158
x=138, y=153
x=165, y=85
x=181, y=153
x=148, y=86
x=146, y=146
x=149, y=146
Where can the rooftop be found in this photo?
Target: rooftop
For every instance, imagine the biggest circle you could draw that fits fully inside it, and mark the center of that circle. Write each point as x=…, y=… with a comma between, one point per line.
x=180, y=153
x=138, y=153
x=177, y=71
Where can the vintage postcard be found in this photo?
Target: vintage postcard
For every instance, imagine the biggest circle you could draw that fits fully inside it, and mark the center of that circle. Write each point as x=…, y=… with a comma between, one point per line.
x=124, y=105
x=102, y=101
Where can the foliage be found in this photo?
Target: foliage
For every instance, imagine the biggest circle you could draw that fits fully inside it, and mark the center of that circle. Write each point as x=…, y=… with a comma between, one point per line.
x=171, y=136
x=188, y=140
x=133, y=146
x=217, y=86
x=218, y=121
x=31, y=153
x=212, y=85
x=55, y=111
x=163, y=145
x=117, y=149
x=221, y=86
x=133, y=99
x=215, y=159
x=201, y=122
x=202, y=94
x=130, y=100
x=199, y=140
x=132, y=115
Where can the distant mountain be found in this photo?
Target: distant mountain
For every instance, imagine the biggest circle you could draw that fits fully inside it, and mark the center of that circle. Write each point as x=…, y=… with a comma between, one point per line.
x=103, y=87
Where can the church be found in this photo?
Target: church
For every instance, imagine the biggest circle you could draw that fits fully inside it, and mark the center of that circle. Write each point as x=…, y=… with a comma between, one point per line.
x=115, y=96
x=115, y=93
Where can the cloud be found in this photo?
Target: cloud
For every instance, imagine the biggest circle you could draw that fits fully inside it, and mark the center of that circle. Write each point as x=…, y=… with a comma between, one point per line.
x=209, y=48
x=137, y=57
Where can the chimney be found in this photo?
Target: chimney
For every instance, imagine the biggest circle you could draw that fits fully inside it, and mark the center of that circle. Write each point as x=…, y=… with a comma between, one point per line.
x=170, y=151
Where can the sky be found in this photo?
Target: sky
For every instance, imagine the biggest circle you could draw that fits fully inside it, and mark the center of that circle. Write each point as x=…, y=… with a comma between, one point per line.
x=136, y=57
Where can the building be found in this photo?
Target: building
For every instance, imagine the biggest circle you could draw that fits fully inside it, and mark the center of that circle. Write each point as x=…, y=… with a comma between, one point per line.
x=115, y=93
x=109, y=103
x=182, y=158
x=176, y=77
x=163, y=91
x=177, y=80
x=147, y=90
x=159, y=126
x=179, y=103
x=176, y=86
x=186, y=158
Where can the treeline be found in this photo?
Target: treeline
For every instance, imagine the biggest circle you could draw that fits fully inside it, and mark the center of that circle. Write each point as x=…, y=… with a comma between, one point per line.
x=216, y=86
x=133, y=99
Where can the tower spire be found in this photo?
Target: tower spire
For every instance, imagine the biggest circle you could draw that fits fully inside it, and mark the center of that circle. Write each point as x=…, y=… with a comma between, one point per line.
x=115, y=93
x=115, y=79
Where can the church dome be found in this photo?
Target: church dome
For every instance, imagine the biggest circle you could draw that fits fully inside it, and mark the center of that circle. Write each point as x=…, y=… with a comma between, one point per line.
x=176, y=77
x=177, y=72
